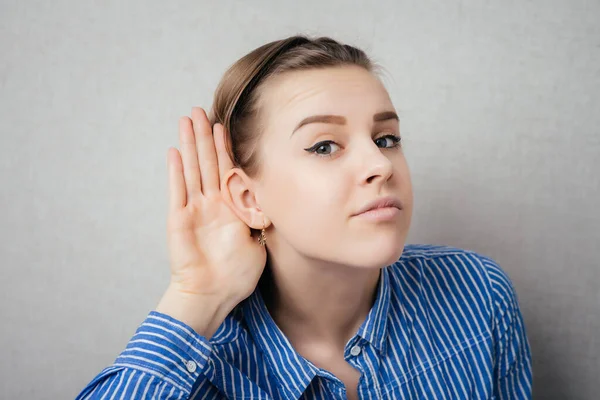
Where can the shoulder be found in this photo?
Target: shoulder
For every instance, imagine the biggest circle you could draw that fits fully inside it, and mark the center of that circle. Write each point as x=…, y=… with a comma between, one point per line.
x=447, y=260
x=440, y=270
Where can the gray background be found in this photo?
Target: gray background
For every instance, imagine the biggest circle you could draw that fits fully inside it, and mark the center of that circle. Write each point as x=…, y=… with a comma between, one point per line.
x=499, y=104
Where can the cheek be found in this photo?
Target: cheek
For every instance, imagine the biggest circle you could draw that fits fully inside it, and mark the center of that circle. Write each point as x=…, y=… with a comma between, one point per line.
x=309, y=193
x=309, y=208
x=406, y=186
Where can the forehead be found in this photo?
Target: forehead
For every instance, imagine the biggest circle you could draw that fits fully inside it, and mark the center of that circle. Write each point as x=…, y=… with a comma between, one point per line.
x=349, y=91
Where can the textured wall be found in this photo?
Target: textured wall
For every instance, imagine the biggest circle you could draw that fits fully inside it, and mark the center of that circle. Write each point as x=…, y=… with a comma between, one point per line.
x=500, y=108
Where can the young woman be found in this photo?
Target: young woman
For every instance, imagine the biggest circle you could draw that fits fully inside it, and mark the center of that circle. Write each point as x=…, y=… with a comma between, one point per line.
x=303, y=147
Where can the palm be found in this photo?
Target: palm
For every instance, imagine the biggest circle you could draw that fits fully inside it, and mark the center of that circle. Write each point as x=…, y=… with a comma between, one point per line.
x=211, y=249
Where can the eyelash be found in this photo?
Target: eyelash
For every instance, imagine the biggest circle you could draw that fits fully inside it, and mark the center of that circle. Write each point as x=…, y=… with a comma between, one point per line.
x=395, y=139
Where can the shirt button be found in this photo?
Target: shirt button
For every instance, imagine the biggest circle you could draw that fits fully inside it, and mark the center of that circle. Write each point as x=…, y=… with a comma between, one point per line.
x=191, y=366
x=355, y=350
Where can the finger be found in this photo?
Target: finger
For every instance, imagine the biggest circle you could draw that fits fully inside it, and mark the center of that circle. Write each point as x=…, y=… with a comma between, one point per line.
x=207, y=156
x=225, y=163
x=177, y=195
x=191, y=170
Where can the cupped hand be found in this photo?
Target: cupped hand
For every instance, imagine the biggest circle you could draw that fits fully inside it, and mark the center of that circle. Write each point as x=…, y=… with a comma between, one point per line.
x=211, y=251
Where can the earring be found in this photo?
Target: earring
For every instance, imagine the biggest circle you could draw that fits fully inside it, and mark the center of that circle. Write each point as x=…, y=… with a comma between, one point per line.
x=262, y=239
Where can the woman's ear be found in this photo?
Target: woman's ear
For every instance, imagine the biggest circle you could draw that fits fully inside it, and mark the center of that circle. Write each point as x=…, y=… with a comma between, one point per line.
x=238, y=192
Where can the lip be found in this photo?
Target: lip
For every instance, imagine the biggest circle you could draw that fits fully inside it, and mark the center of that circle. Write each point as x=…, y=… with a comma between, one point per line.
x=382, y=202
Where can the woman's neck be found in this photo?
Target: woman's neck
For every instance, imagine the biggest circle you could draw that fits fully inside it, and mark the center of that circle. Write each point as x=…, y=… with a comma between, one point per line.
x=315, y=303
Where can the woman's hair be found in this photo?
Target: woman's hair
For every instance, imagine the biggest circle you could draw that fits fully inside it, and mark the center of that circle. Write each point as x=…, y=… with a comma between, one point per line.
x=236, y=99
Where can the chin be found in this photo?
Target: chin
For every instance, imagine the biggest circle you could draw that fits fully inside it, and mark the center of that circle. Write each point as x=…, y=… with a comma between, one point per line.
x=377, y=256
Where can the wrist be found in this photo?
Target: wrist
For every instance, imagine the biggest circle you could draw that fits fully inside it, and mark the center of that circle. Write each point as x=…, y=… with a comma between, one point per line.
x=202, y=313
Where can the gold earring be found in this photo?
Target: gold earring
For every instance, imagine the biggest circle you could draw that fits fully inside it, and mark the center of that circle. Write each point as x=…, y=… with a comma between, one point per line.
x=262, y=239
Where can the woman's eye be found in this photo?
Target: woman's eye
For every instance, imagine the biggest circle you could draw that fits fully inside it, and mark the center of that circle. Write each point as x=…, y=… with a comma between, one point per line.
x=324, y=148
x=393, y=140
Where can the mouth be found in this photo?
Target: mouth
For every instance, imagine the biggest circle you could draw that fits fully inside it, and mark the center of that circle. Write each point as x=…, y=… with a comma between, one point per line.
x=382, y=206
x=385, y=214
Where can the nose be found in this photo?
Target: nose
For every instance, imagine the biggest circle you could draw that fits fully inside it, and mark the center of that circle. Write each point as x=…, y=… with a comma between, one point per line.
x=375, y=165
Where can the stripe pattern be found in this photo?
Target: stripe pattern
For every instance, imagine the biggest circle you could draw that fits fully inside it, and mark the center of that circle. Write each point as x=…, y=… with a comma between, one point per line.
x=445, y=324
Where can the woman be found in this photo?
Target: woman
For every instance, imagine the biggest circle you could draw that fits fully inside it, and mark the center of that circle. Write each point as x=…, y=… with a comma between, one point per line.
x=303, y=145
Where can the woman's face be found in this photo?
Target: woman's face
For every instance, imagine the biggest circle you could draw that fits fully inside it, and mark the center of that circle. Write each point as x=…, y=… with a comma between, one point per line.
x=310, y=189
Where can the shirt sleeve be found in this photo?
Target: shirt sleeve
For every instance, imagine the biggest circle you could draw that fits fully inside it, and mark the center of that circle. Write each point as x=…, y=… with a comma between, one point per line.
x=163, y=360
x=512, y=354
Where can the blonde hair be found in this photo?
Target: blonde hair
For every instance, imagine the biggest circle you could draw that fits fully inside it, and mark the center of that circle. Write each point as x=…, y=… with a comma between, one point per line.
x=236, y=99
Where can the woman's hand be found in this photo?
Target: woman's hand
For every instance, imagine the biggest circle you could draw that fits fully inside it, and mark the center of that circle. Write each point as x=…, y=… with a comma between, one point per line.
x=215, y=262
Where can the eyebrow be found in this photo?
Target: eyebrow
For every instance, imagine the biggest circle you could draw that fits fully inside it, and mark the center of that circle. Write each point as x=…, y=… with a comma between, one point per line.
x=339, y=120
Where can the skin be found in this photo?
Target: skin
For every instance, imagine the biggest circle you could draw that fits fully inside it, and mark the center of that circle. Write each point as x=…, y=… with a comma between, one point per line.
x=325, y=261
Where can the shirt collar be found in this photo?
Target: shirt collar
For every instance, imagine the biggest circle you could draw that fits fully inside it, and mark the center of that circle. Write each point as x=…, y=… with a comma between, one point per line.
x=293, y=371
x=374, y=328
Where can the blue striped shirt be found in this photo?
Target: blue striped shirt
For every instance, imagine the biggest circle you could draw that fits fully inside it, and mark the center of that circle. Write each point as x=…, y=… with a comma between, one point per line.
x=445, y=325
